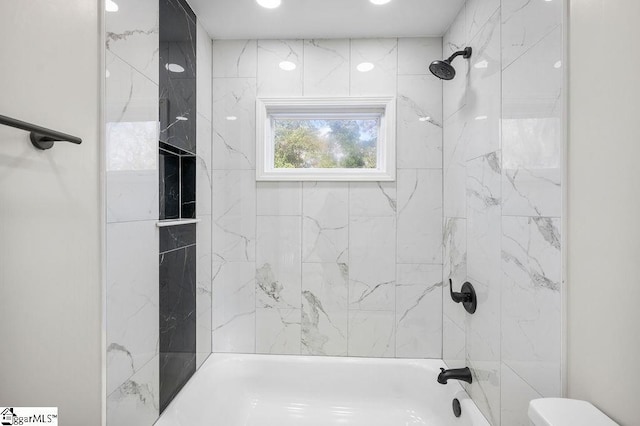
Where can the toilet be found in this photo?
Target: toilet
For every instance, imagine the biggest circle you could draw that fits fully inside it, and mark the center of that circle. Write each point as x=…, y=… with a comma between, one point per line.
x=566, y=412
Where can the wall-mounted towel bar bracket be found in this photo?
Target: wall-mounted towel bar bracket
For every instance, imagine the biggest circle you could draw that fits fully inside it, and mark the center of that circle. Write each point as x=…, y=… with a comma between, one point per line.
x=41, y=137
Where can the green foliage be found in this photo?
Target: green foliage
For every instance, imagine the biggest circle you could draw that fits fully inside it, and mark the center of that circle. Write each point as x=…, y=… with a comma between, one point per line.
x=325, y=143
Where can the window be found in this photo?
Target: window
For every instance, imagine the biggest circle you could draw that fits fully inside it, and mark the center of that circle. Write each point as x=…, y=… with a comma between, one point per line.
x=329, y=139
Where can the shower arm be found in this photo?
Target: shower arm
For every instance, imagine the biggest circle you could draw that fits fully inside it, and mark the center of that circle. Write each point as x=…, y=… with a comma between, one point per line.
x=465, y=53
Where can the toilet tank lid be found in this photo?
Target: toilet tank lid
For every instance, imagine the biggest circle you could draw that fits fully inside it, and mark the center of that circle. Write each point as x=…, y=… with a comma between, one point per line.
x=566, y=412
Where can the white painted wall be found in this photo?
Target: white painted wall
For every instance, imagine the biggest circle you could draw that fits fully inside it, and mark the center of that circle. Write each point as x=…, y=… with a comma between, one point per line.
x=50, y=214
x=604, y=206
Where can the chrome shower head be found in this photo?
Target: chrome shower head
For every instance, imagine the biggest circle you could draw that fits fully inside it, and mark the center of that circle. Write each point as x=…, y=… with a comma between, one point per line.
x=443, y=69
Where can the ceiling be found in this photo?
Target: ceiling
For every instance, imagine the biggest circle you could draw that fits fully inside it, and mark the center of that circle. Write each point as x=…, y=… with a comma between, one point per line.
x=240, y=19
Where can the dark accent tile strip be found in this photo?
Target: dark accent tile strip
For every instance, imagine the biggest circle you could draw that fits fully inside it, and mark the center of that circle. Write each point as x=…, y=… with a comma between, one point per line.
x=188, y=187
x=177, y=236
x=177, y=320
x=176, y=368
x=169, y=185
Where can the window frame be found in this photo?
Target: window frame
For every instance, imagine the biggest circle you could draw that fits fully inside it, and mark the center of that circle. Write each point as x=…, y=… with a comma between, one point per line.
x=332, y=107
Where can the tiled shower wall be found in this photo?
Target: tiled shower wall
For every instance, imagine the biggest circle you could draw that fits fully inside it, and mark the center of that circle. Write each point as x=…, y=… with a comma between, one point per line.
x=332, y=268
x=503, y=201
x=132, y=272
x=132, y=129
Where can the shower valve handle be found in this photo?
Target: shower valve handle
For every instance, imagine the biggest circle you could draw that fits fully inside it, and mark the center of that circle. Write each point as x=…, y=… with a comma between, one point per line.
x=467, y=296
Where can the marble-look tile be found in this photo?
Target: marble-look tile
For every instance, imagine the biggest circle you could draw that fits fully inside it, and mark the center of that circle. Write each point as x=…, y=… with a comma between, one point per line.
x=129, y=196
x=278, y=262
x=279, y=198
x=204, y=177
x=325, y=222
x=131, y=143
x=525, y=23
x=176, y=368
x=326, y=67
x=485, y=389
x=516, y=395
x=235, y=193
x=178, y=301
x=455, y=249
x=204, y=66
x=234, y=215
x=325, y=288
x=532, y=130
x=455, y=268
x=188, y=173
x=531, y=301
x=234, y=307
x=372, y=260
x=419, y=216
x=483, y=328
x=132, y=299
x=419, y=122
x=482, y=110
x=203, y=341
x=453, y=342
x=133, y=35
x=483, y=218
x=234, y=238
x=178, y=36
x=455, y=166
x=234, y=120
x=478, y=12
x=278, y=331
x=455, y=91
x=235, y=58
x=381, y=80
x=483, y=268
x=456, y=36
x=170, y=188
x=532, y=191
x=272, y=79
x=372, y=333
x=372, y=199
x=203, y=288
x=416, y=53
x=137, y=401
x=419, y=311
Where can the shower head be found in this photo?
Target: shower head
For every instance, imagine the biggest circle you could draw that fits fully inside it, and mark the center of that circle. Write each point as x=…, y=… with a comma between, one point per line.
x=443, y=69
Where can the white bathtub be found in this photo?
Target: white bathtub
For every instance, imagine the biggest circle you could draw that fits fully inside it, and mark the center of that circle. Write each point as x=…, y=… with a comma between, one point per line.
x=274, y=390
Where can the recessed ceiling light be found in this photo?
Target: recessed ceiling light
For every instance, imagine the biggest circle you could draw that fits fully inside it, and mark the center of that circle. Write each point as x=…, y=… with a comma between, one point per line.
x=424, y=118
x=379, y=1
x=269, y=4
x=111, y=6
x=558, y=64
x=174, y=67
x=232, y=118
x=181, y=118
x=287, y=65
x=365, y=67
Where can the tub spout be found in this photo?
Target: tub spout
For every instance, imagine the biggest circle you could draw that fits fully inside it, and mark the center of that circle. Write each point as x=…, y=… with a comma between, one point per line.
x=463, y=374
